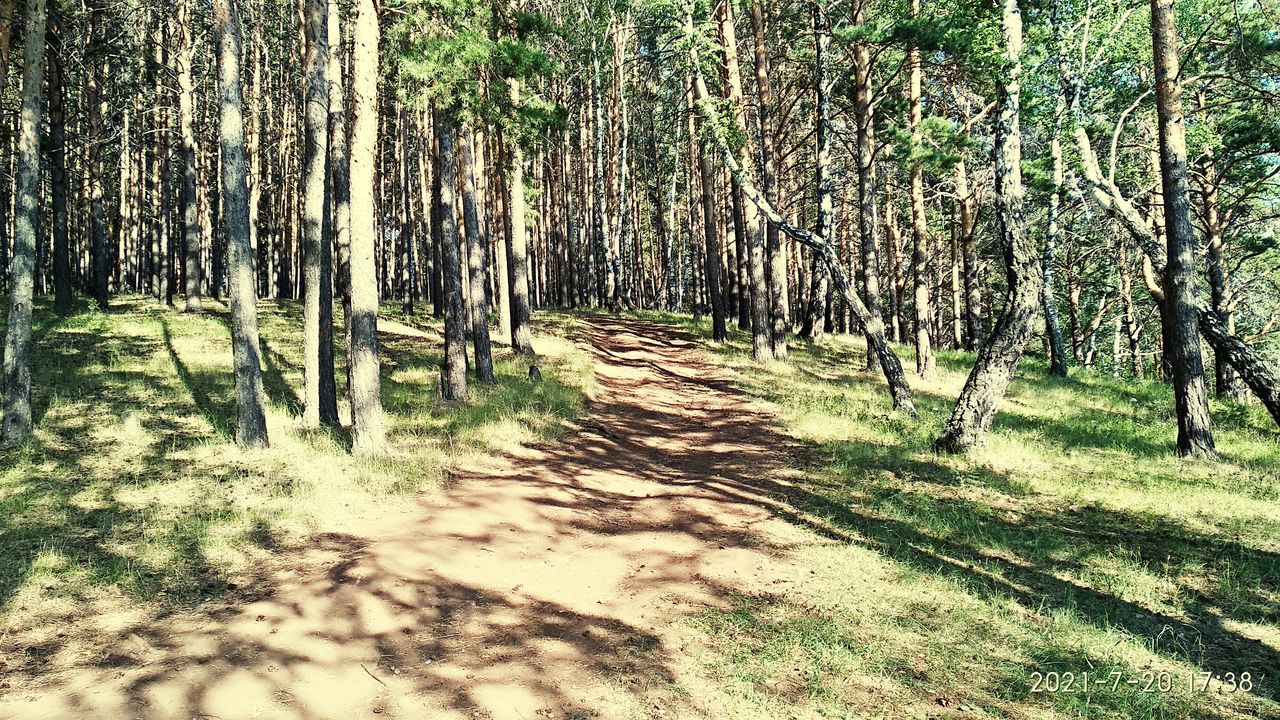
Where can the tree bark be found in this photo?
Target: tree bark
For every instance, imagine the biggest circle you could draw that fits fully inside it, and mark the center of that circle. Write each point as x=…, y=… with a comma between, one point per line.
x=1195, y=433
x=251, y=430
x=815, y=317
x=762, y=345
x=998, y=360
x=975, y=333
x=1049, y=303
x=1226, y=383
x=339, y=166
x=57, y=151
x=776, y=255
x=366, y=381
x=868, y=209
x=96, y=109
x=518, y=242
x=926, y=364
x=320, y=406
x=17, y=344
x=478, y=261
x=453, y=376
x=186, y=122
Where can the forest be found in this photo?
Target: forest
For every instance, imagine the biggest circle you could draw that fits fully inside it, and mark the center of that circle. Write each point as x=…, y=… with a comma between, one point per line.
x=867, y=359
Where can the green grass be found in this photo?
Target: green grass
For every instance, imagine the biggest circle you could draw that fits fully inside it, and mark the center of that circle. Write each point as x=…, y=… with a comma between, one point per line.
x=131, y=494
x=1073, y=541
x=922, y=585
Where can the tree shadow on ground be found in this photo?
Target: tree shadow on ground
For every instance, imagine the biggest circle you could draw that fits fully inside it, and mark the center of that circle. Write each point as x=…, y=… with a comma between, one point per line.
x=673, y=454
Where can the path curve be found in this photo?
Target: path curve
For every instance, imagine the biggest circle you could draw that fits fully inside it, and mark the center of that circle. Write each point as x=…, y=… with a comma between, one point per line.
x=544, y=584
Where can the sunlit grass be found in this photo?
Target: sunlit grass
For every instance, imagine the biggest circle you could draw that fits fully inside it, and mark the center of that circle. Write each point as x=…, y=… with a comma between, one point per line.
x=1075, y=540
x=132, y=496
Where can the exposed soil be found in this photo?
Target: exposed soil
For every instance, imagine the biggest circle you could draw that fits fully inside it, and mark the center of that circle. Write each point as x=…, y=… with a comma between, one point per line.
x=549, y=584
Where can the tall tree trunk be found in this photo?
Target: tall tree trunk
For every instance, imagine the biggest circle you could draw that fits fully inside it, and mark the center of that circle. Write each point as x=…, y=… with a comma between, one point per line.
x=957, y=305
x=868, y=211
x=251, y=430
x=17, y=342
x=96, y=109
x=339, y=172
x=498, y=245
x=1226, y=382
x=478, y=261
x=1049, y=302
x=998, y=359
x=1195, y=434
x=186, y=121
x=762, y=346
x=159, y=152
x=815, y=319
x=58, y=168
x=453, y=376
x=711, y=238
x=776, y=252
x=366, y=381
x=320, y=407
x=975, y=333
x=926, y=364
x=606, y=280
x=518, y=242
x=897, y=281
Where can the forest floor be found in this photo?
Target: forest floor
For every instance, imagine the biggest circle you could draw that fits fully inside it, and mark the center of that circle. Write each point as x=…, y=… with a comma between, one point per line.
x=659, y=529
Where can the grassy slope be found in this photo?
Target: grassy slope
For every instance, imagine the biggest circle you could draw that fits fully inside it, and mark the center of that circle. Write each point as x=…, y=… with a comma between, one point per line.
x=131, y=498
x=1074, y=541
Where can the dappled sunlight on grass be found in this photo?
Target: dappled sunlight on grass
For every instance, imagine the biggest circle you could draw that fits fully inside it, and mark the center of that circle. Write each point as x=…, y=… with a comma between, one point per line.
x=132, y=496
x=1073, y=540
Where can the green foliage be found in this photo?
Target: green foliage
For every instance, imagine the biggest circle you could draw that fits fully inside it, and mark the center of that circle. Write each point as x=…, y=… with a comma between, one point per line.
x=458, y=55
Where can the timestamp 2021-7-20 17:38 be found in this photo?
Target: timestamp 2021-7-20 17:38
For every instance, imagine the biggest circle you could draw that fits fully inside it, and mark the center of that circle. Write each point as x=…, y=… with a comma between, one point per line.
x=1147, y=681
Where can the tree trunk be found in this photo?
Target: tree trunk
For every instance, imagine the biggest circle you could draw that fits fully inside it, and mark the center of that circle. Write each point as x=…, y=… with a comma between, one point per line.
x=606, y=279
x=96, y=108
x=987, y=383
x=186, y=121
x=975, y=333
x=762, y=346
x=518, y=242
x=478, y=261
x=926, y=364
x=58, y=168
x=776, y=252
x=710, y=227
x=17, y=344
x=1195, y=434
x=339, y=173
x=453, y=376
x=1226, y=383
x=815, y=319
x=868, y=210
x=320, y=406
x=1049, y=303
x=251, y=431
x=366, y=381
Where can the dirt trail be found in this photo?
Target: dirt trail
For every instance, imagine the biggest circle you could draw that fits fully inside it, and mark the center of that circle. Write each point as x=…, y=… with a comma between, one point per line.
x=546, y=585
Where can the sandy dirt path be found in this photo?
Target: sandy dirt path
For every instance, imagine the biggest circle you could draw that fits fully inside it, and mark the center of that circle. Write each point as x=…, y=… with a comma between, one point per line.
x=550, y=584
